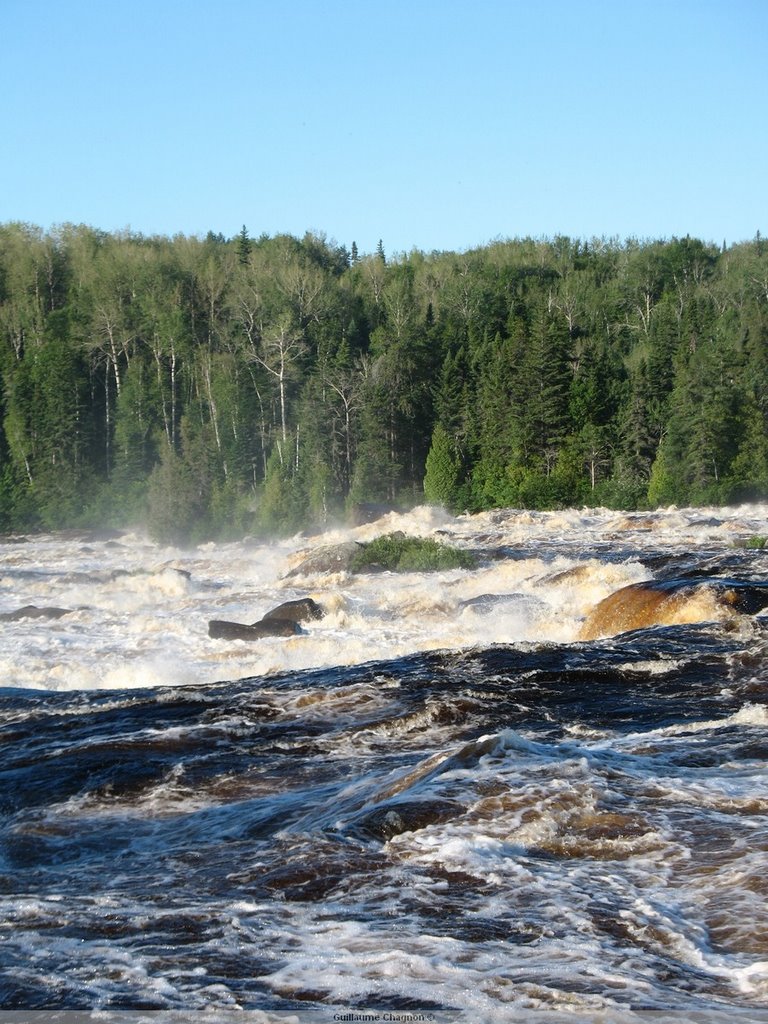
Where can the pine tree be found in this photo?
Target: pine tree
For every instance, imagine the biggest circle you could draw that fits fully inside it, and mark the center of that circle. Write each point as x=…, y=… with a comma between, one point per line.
x=547, y=374
x=244, y=246
x=443, y=470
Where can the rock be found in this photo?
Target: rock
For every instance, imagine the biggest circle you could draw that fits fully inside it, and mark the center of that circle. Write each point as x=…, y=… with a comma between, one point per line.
x=302, y=610
x=31, y=611
x=672, y=602
x=167, y=567
x=406, y=816
x=638, y=522
x=576, y=572
x=484, y=604
x=508, y=604
x=281, y=621
x=219, y=629
x=329, y=558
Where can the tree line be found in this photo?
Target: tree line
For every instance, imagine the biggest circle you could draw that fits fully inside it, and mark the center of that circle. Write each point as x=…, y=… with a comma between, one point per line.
x=210, y=387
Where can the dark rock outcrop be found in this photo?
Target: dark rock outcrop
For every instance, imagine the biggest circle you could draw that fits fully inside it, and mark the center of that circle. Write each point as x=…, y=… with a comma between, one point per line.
x=281, y=621
x=304, y=609
x=484, y=604
x=220, y=629
x=184, y=573
x=329, y=558
x=31, y=611
x=406, y=816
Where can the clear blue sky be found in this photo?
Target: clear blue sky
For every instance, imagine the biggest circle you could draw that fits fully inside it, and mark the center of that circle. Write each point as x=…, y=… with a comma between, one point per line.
x=433, y=124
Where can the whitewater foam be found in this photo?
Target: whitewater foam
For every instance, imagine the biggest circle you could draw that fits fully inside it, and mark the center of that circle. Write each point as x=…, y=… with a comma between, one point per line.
x=138, y=612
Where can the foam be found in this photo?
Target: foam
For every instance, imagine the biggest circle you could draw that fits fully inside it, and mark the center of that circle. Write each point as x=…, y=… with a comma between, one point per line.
x=138, y=620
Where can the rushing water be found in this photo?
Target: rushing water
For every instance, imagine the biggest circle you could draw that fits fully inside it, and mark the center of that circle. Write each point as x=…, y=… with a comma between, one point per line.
x=435, y=800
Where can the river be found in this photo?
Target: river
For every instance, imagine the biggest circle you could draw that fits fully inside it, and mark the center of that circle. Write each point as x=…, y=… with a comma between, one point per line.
x=438, y=801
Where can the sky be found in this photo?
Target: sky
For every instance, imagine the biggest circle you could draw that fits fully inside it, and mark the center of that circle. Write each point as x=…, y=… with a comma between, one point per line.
x=428, y=124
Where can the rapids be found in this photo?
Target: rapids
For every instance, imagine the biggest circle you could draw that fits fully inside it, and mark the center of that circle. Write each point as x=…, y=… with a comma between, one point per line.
x=441, y=800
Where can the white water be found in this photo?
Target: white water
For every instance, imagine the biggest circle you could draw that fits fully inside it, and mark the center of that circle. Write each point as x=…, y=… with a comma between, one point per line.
x=583, y=875
x=136, y=620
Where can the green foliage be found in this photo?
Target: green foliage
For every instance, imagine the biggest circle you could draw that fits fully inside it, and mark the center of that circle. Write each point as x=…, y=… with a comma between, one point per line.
x=757, y=542
x=662, y=488
x=398, y=553
x=231, y=385
x=283, y=505
x=174, y=510
x=443, y=471
x=243, y=245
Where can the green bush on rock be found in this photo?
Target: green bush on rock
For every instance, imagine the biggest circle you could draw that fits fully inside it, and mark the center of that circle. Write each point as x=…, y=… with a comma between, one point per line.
x=398, y=553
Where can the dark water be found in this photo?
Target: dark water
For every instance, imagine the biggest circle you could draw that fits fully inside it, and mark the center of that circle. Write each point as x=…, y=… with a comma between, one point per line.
x=575, y=827
x=539, y=828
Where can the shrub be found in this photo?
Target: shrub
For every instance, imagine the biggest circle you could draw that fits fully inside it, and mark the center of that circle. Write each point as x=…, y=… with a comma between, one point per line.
x=398, y=553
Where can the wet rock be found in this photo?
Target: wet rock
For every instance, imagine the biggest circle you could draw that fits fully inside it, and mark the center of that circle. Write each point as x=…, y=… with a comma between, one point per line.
x=303, y=609
x=281, y=621
x=406, y=816
x=673, y=602
x=329, y=558
x=484, y=604
x=184, y=573
x=31, y=611
x=510, y=604
x=572, y=575
x=638, y=522
x=220, y=629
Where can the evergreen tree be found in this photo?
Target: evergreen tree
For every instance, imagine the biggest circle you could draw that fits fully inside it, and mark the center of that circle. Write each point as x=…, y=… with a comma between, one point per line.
x=443, y=469
x=548, y=374
x=243, y=246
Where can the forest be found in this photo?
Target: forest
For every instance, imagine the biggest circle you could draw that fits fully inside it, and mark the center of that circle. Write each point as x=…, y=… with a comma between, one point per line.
x=213, y=387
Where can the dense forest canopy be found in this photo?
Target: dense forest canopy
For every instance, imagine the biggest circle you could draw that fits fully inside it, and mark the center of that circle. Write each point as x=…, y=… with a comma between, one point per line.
x=210, y=386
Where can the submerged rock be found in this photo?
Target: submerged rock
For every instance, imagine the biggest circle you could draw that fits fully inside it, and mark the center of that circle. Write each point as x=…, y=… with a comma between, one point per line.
x=407, y=816
x=508, y=604
x=31, y=611
x=672, y=602
x=167, y=567
x=572, y=575
x=484, y=604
